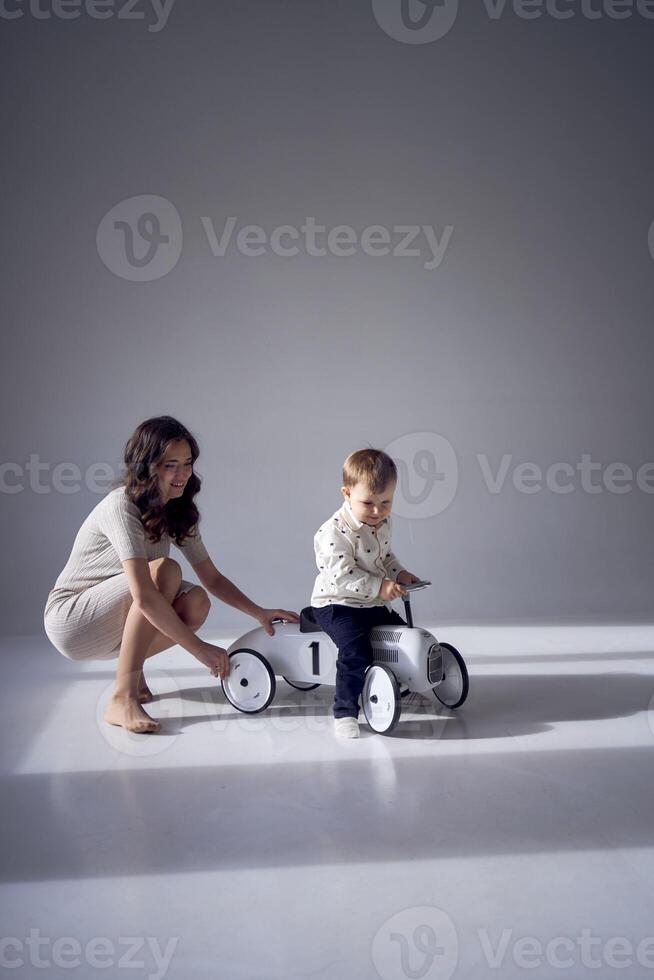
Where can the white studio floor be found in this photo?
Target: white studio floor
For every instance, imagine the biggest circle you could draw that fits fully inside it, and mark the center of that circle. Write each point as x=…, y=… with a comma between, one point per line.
x=514, y=838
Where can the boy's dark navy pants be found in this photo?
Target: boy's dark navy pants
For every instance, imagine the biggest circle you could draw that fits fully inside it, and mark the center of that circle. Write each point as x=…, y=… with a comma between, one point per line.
x=349, y=627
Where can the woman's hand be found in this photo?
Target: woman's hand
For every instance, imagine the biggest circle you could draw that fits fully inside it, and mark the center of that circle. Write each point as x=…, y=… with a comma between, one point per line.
x=213, y=657
x=266, y=617
x=406, y=578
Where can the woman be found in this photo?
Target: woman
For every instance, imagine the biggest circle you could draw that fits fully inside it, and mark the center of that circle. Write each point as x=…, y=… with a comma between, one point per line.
x=120, y=595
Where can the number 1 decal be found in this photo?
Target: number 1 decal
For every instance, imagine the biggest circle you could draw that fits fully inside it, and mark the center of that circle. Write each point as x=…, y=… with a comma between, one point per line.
x=315, y=657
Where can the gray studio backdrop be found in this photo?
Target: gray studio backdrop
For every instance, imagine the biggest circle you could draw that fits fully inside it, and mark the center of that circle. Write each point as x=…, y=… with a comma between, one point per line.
x=303, y=227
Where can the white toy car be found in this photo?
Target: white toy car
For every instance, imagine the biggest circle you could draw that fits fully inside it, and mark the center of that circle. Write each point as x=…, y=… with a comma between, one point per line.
x=405, y=659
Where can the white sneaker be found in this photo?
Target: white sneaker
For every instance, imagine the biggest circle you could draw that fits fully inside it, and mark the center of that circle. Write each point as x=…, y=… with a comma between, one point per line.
x=346, y=727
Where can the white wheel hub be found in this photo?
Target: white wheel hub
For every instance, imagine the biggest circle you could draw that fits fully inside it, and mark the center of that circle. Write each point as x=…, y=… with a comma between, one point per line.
x=250, y=685
x=381, y=699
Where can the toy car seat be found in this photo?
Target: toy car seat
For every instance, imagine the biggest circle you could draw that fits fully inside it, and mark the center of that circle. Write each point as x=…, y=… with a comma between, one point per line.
x=307, y=622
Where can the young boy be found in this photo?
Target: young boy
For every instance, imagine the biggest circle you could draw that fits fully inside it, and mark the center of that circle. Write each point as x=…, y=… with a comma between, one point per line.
x=358, y=576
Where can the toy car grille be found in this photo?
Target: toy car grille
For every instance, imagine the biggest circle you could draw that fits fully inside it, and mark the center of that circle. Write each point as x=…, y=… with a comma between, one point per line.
x=388, y=636
x=385, y=657
x=435, y=664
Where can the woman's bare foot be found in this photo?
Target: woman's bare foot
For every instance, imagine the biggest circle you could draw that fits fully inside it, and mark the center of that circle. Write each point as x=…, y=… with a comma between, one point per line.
x=128, y=713
x=145, y=694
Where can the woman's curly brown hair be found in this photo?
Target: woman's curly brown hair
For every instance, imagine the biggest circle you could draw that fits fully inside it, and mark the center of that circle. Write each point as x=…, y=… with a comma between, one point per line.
x=144, y=450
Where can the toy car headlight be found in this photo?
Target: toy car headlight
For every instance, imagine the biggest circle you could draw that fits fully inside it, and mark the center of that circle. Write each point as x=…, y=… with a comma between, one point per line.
x=435, y=664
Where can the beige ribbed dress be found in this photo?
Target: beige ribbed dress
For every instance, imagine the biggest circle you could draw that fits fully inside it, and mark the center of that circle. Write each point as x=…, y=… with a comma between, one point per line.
x=86, y=609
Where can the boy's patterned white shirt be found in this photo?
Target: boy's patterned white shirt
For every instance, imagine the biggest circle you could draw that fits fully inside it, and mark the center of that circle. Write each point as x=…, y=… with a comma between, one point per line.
x=353, y=559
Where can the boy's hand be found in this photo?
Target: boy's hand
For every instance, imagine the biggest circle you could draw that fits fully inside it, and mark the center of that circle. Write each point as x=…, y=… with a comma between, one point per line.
x=267, y=615
x=391, y=590
x=407, y=578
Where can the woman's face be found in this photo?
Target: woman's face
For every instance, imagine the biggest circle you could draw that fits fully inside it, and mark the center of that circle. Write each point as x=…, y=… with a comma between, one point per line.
x=175, y=470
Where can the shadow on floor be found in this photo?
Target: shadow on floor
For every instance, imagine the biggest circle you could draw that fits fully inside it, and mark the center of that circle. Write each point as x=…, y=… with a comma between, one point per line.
x=380, y=808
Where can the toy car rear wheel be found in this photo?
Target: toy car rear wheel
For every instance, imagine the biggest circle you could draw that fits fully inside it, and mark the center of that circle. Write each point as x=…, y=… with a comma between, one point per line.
x=453, y=689
x=250, y=684
x=381, y=699
x=301, y=685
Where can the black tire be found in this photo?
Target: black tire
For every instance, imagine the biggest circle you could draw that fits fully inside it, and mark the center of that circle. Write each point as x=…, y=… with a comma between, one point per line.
x=465, y=682
x=301, y=686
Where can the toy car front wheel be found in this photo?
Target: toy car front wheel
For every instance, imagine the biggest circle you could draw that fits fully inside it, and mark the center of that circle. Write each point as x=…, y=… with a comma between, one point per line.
x=453, y=689
x=250, y=684
x=301, y=685
x=381, y=699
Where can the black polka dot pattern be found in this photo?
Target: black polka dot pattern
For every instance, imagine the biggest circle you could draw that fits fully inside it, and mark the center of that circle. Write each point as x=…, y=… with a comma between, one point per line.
x=368, y=552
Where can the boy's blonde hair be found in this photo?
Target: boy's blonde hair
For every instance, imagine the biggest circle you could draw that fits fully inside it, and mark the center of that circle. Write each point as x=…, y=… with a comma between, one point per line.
x=373, y=467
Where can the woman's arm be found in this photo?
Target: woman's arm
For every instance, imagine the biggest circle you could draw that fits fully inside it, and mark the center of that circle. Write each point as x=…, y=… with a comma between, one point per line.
x=225, y=590
x=156, y=608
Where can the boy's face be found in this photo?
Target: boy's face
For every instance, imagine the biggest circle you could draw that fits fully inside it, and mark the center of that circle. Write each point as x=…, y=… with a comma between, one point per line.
x=368, y=507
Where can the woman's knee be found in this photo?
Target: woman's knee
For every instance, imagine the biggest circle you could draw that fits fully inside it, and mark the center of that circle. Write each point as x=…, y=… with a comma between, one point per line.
x=193, y=606
x=166, y=574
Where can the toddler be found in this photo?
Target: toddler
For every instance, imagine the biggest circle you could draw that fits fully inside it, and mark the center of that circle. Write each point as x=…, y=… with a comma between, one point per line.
x=358, y=576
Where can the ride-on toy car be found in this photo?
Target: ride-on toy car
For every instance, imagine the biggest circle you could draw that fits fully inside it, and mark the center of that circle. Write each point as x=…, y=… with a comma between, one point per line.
x=405, y=659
